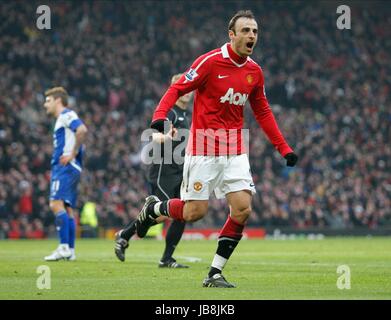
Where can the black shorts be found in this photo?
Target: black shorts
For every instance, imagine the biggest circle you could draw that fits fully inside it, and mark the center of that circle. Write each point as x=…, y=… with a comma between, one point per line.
x=167, y=187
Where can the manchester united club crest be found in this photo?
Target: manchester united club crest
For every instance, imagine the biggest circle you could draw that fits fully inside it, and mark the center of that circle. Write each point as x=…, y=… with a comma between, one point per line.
x=249, y=79
x=197, y=186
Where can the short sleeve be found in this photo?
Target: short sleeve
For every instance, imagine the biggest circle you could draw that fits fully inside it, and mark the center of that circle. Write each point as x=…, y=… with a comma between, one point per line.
x=71, y=120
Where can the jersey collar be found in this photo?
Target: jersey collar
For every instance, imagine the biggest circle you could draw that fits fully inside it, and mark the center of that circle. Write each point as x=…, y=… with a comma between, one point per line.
x=65, y=110
x=228, y=53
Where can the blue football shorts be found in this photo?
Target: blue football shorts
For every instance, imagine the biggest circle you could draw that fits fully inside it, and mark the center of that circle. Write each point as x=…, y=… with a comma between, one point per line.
x=63, y=184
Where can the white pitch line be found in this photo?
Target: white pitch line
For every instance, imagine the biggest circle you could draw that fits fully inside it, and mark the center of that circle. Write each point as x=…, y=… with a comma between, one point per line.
x=190, y=259
x=315, y=264
x=155, y=257
x=151, y=257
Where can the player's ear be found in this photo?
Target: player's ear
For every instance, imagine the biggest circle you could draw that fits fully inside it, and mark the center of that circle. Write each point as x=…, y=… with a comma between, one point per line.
x=231, y=34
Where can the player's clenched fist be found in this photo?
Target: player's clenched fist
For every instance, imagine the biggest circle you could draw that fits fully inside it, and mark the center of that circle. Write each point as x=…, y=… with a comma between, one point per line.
x=291, y=159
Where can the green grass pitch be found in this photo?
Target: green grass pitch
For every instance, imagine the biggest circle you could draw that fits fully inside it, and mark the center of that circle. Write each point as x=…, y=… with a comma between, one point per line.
x=261, y=269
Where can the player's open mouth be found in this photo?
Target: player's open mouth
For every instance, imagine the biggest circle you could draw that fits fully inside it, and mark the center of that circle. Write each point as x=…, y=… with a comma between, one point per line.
x=250, y=45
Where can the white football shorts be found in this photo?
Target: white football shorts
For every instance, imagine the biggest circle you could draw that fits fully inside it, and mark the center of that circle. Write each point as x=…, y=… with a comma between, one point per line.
x=222, y=174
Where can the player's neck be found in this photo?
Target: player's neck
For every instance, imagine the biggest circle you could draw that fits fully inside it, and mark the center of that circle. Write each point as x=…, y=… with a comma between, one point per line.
x=235, y=55
x=59, y=111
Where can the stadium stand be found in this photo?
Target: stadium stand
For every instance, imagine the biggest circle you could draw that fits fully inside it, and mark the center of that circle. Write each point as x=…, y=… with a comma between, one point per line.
x=329, y=89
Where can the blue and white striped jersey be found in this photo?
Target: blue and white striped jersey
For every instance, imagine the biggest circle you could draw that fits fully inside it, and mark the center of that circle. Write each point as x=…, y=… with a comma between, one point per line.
x=64, y=138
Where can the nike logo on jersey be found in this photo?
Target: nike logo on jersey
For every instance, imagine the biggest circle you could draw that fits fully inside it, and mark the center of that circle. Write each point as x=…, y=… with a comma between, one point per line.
x=236, y=98
x=221, y=77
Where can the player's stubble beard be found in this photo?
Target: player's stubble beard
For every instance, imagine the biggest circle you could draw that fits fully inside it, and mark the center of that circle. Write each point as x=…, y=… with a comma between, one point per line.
x=50, y=111
x=242, y=50
x=240, y=47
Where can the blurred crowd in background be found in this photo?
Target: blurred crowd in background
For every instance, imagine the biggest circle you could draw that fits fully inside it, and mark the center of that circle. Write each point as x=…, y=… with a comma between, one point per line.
x=329, y=90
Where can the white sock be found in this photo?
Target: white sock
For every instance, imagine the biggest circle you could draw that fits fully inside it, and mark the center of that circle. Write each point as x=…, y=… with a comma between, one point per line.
x=156, y=208
x=219, y=262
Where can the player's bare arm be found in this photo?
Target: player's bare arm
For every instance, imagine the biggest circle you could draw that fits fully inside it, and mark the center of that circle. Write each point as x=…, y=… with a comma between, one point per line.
x=80, y=136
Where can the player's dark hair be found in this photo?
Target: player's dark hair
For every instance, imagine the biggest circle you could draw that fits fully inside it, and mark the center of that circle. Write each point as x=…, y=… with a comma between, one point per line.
x=240, y=14
x=58, y=92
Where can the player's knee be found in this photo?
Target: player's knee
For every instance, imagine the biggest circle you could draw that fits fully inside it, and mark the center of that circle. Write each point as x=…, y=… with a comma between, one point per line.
x=52, y=206
x=56, y=206
x=242, y=214
x=193, y=216
x=195, y=212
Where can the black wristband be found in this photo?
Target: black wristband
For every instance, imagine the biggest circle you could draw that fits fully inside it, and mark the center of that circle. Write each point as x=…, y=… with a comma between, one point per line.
x=158, y=125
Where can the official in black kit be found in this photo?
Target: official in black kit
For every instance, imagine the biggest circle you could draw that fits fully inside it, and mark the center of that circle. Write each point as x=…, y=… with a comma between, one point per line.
x=165, y=179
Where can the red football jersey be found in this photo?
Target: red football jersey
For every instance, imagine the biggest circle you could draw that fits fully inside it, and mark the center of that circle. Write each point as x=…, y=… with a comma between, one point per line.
x=223, y=81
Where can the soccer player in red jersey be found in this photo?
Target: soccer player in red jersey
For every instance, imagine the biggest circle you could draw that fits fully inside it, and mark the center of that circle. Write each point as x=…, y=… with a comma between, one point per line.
x=216, y=160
